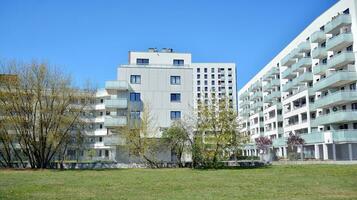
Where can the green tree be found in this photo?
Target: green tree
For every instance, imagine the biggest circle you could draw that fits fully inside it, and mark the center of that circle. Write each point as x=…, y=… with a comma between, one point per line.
x=217, y=135
x=178, y=139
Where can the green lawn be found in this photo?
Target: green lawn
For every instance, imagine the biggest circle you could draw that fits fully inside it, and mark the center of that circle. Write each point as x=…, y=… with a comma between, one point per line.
x=276, y=182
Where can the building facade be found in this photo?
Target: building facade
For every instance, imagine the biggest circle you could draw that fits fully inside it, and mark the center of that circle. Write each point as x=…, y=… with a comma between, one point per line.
x=309, y=89
x=165, y=82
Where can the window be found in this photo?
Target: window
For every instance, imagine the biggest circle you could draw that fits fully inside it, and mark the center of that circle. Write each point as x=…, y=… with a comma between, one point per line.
x=107, y=113
x=106, y=153
x=175, y=115
x=175, y=80
x=100, y=139
x=212, y=75
x=353, y=86
x=212, y=70
x=135, y=79
x=134, y=96
x=198, y=76
x=198, y=82
x=206, y=82
x=205, y=76
x=135, y=115
x=212, y=82
x=100, y=126
x=101, y=100
x=198, y=70
x=179, y=62
x=142, y=61
x=205, y=70
x=198, y=88
x=175, y=97
x=354, y=106
x=354, y=125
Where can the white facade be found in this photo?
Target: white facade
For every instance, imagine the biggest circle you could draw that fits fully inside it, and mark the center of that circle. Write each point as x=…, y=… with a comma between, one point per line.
x=317, y=86
x=166, y=83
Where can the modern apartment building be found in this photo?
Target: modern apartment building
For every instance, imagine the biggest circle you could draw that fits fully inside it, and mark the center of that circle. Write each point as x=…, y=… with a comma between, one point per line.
x=309, y=89
x=168, y=84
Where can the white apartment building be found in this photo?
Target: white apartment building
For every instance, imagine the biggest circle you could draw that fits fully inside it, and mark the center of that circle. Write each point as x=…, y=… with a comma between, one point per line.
x=169, y=84
x=309, y=89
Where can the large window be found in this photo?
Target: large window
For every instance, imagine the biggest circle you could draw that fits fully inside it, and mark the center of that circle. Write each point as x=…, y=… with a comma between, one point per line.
x=175, y=80
x=142, y=61
x=175, y=97
x=178, y=62
x=134, y=96
x=175, y=115
x=135, y=79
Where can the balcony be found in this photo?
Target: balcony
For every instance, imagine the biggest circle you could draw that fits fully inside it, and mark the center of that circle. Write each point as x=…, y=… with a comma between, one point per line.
x=288, y=86
x=319, y=53
x=271, y=84
x=279, y=142
x=114, y=140
x=320, y=68
x=303, y=62
x=243, y=95
x=344, y=136
x=313, y=138
x=269, y=98
x=115, y=121
x=341, y=59
x=335, y=98
x=340, y=41
x=335, y=117
x=116, y=85
x=287, y=60
x=305, y=77
x=336, y=23
x=318, y=37
x=335, y=80
x=270, y=73
x=116, y=103
x=304, y=47
x=256, y=105
x=296, y=53
x=256, y=95
x=288, y=74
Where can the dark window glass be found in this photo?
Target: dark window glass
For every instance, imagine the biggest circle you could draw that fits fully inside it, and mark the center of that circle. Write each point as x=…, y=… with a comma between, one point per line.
x=178, y=62
x=134, y=96
x=175, y=97
x=142, y=61
x=175, y=80
x=175, y=115
x=135, y=79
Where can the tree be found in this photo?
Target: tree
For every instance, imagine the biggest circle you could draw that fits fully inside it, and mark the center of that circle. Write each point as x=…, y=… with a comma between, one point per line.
x=140, y=137
x=41, y=107
x=178, y=139
x=263, y=143
x=293, y=142
x=217, y=132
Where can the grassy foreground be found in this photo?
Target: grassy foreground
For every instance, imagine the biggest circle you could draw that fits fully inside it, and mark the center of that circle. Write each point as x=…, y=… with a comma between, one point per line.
x=276, y=182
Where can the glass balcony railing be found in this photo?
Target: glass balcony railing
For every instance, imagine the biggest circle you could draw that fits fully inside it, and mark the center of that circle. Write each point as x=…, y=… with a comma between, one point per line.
x=344, y=136
x=256, y=95
x=315, y=137
x=319, y=53
x=337, y=22
x=303, y=62
x=114, y=140
x=339, y=41
x=341, y=59
x=269, y=98
x=304, y=46
x=318, y=36
x=271, y=84
x=279, y=142
x=334, y=99
x=115, y=121
x=320, y=68
x=335, y=79
x=116, y=85
x=116, y=103
x=335, y=117
x=287, y=60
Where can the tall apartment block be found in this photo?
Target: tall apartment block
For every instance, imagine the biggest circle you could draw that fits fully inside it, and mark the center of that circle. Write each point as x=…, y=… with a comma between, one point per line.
x=309, y=89
x=166, y=82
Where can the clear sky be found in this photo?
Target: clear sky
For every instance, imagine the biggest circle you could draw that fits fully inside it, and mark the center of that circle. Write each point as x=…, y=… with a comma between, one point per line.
x=90, y=38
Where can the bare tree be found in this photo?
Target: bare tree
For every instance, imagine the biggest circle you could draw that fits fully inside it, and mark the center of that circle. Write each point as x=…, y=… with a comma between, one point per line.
x=42, y=107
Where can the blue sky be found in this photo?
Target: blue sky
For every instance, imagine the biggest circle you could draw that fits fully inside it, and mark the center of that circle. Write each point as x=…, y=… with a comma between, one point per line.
x=90, y=38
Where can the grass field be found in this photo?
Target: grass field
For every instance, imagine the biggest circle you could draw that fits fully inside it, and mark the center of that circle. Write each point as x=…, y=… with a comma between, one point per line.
x=277, y=182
